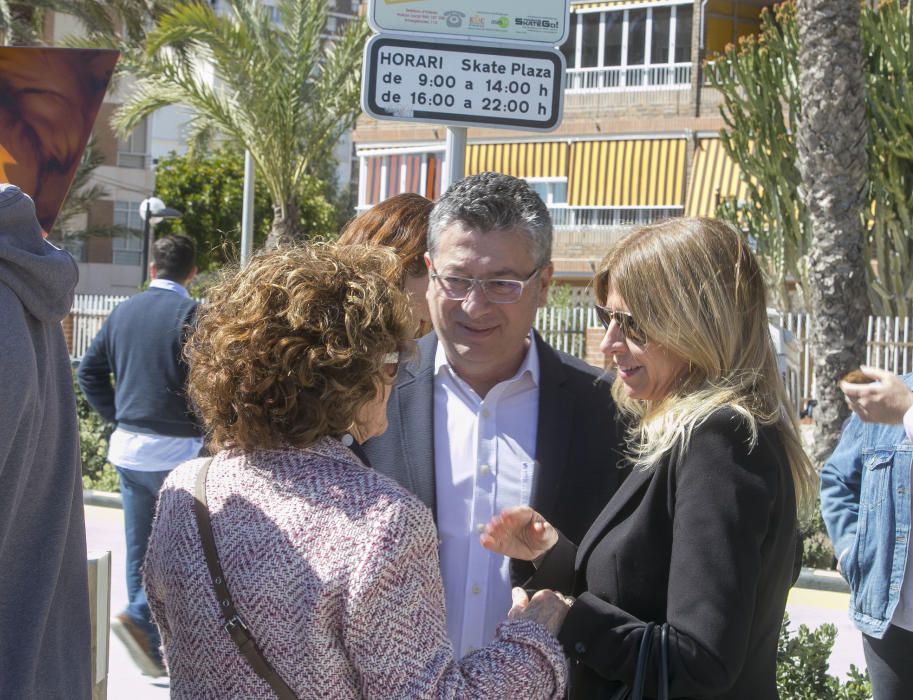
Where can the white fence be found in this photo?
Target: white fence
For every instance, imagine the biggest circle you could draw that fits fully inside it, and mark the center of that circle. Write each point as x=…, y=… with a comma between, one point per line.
x=88, y=313
x=889, y=345
x=564, y=327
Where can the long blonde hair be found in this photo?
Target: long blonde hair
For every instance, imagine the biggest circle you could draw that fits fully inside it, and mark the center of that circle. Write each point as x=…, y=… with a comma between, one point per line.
x=694, y=287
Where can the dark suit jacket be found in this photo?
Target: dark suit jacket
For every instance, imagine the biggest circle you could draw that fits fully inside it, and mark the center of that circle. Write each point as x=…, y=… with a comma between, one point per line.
x=707, y=545
x=577, y=443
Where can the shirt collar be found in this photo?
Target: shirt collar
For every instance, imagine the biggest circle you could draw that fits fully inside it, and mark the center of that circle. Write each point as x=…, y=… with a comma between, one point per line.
x=170, y=285
x=529, y=365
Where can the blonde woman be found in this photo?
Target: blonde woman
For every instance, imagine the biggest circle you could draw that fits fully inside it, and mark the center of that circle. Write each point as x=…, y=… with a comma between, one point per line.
x=332, y=567
x=702, y=534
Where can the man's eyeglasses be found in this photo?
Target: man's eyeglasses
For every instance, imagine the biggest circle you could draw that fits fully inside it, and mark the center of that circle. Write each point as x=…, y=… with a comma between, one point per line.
x=497, y=291
x=623, y=320
x=391, y=364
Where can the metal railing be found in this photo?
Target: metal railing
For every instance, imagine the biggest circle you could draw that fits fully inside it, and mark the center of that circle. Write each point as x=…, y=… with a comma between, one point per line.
x=675, y=76
x=565, y=216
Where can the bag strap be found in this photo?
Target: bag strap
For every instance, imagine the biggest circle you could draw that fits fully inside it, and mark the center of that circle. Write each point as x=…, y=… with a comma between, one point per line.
x=662, y=682
x=643, y=657
x=234, y=625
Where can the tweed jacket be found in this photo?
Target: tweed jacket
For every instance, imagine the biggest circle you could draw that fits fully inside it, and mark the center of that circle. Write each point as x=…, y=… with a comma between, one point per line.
x=334, y=569
x=578, y=442
x=705, y=542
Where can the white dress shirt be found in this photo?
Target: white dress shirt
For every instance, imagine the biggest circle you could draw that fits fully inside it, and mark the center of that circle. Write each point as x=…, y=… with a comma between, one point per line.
x=484, y=461
x=144, y=452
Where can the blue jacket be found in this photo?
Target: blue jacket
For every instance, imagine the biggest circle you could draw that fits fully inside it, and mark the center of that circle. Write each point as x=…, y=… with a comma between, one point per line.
x=865, y=501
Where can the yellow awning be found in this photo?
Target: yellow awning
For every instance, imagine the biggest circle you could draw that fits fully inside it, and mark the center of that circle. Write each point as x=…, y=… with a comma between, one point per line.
x=714, y=176
x=518, y=159
x=632, y=173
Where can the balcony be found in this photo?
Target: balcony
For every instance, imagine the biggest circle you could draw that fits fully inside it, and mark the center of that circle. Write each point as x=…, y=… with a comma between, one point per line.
x=568, y=218
x=674, y=76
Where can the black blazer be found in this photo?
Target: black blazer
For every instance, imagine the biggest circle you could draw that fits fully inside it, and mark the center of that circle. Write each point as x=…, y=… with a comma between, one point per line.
x=577, y=443
x=708, y=546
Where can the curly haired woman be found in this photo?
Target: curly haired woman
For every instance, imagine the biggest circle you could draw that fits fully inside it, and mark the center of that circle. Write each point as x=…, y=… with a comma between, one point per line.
x=332, y=567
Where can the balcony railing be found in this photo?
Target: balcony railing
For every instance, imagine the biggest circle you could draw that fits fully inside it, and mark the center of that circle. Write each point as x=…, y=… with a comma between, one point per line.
x=568, y=217
x=675, y=76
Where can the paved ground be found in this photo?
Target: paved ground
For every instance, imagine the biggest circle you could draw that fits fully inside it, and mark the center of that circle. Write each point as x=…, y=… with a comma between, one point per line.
x=104, y=531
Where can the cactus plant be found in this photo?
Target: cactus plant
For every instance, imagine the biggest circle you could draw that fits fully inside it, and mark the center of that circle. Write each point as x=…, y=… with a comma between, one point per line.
x=758, y=81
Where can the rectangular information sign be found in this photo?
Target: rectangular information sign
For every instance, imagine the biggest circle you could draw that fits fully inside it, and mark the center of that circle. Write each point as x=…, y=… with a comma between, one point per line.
x=540, y=21
x=462, y=83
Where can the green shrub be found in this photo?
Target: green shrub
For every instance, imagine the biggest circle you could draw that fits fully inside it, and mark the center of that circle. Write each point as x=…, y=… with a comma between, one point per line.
x=802, y=667
x=817, y=551
x=94, y=432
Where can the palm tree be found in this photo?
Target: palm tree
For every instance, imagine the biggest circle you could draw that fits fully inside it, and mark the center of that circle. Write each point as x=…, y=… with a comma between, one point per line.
x=281, y=90
x=831, y=140
x=116, y=24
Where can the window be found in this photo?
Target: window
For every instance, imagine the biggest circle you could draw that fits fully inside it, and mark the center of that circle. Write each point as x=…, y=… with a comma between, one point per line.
x=127, y=249
x=75, y=247
x=683, y=15
x=589, y=43
x=551, y=191
x=659, y=35
x=637, y=37
x=640, y=44
x=614, y=31
x=131, y=151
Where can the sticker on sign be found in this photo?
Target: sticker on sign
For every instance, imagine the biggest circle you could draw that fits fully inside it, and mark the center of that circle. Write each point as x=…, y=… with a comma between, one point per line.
x=539, y=21
x=462, y=83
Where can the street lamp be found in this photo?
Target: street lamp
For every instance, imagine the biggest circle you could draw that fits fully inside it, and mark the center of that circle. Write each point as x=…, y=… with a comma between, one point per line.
x=151, y=211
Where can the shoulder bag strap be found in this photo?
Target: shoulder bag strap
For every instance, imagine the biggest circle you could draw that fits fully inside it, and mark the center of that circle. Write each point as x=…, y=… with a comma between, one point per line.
x=662, y=683
x=234, y=625
x=643, y=658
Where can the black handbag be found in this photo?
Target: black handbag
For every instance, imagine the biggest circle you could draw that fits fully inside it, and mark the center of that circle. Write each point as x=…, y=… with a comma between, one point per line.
x=636, y=690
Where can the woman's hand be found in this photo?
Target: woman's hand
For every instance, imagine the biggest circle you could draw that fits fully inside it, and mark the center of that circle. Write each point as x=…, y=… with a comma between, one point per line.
x=520, y=533
x=547, y=607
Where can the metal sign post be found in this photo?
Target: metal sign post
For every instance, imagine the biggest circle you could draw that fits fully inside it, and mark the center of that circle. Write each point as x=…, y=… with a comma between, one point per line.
x=454, y=156
x=466, y=63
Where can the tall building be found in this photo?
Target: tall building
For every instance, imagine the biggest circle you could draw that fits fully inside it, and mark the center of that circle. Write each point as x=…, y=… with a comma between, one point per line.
x=638, y=140
x=112, y=264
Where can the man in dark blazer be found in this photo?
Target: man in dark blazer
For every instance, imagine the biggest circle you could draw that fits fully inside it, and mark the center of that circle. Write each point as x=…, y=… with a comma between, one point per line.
x=488, y=415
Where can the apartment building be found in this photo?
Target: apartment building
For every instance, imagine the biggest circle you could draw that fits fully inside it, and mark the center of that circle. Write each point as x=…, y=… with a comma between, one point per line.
x=112, y=264
x=638, y=140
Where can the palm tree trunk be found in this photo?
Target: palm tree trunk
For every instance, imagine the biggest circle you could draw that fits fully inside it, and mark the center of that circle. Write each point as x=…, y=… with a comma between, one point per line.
x=285, y=229
x=831, y=141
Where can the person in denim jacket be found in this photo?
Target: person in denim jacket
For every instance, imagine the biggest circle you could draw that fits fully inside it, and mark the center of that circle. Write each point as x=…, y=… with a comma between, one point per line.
x=866, y=504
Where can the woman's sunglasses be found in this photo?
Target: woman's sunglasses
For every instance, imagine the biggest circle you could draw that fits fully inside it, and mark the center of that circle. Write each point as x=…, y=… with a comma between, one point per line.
x=624, y=321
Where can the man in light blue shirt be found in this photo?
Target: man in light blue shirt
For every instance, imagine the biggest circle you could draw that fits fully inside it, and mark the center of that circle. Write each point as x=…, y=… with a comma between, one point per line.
x=141, y=345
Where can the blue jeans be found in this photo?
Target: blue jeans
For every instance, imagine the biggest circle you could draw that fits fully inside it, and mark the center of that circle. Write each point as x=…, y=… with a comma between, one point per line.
x=139, y=492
